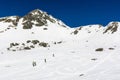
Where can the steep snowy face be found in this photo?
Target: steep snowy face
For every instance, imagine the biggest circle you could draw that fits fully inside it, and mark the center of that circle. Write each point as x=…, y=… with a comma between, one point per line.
x=90, y=29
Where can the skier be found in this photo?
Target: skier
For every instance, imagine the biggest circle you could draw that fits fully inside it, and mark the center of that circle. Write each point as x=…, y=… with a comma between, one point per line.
x=33, y=63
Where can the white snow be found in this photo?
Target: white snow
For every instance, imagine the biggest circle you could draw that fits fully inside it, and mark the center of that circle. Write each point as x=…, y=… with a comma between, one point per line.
x=69, y=60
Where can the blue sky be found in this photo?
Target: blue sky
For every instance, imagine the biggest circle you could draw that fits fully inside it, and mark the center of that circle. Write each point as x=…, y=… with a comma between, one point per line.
x=72, y=12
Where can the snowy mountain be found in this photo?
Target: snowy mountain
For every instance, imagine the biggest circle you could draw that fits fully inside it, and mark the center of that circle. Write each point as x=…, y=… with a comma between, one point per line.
x=36, y=17
x=38, y=46
x=111, y=28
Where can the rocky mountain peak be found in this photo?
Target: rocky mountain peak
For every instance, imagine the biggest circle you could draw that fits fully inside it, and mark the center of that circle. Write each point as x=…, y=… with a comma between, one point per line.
x=37, y=12
x=112, y=27
x=37, y=18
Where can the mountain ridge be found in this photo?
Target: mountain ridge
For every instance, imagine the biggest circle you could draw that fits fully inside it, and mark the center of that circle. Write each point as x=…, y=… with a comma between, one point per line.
x=39, y=47
x=49, y=25
x=40, y=13
x=35, y=17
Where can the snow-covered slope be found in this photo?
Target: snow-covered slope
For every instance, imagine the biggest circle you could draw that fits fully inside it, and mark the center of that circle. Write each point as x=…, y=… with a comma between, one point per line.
x=58, y=52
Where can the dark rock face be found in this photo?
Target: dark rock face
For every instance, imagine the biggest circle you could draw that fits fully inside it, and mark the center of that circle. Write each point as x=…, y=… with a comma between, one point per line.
x=28, y=45
x=111, y=48
x=99, y=49
x=112, y=27
x=27, y=25
x=77, y=30
x=37, y=18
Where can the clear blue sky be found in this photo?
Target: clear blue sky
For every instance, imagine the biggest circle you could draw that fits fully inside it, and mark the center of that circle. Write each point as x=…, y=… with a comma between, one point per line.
x=72, y=12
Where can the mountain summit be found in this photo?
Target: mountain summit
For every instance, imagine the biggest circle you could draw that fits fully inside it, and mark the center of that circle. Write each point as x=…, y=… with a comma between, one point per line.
x=38, y=46
x=36, y=18
x=41, y=23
